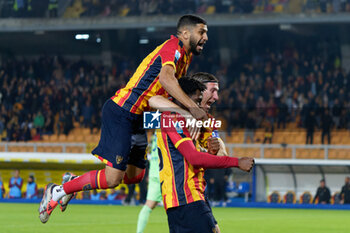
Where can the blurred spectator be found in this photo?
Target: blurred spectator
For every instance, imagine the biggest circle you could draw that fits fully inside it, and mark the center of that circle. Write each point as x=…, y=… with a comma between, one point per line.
x=210, y=189
x=220, y=178
x=271, y=110
x=39, y=122
x=2, y=189
x=345, y=191
x=326, y=124
x=282, y=113
x=310, y=124
x=15, y=185
x=121, y=195
x=103, y=195
x=32, y=188
x=2, y=126
x=52, y=8
x=323, y=193
x=250, y=127
x=268, y=134
x=87, y=112
x=86, y=195
x=49, y=124
x=19, y=8
x=25, y=134
x=95, y=196
x=336, y=111
x=112, y=195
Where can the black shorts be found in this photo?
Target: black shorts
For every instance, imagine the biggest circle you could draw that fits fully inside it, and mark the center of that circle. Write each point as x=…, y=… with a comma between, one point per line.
x=123, y=140
x=195, y=217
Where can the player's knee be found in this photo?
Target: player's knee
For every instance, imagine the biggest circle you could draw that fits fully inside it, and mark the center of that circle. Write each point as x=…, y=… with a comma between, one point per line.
x=113, y=181
x=114, y=176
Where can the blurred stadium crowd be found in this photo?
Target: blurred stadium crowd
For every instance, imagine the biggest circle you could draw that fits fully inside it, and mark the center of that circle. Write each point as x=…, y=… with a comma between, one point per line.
x=102, y=8
x=261, y=88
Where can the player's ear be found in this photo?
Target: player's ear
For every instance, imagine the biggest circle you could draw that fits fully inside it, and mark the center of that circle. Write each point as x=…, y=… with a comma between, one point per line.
x=186, y=33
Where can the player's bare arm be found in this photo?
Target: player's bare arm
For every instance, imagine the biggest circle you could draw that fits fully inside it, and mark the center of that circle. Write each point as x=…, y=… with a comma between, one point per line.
x=164, y=105
x=169, y=82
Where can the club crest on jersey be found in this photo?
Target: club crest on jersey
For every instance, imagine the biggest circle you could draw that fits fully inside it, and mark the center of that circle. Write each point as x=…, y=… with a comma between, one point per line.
x=119, y=159
x=177, y=55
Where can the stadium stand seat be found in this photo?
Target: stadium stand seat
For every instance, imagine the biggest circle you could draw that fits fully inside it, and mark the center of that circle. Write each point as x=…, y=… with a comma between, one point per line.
x=289, y=198
x=240, y=152
x=336, y=198
x=305, y=198
x=274, y=197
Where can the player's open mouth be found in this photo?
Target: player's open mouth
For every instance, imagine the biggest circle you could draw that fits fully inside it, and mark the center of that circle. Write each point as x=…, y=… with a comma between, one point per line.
x=201, y=45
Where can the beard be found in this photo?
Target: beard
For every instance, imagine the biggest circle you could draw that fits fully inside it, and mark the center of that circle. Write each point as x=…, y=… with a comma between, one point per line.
x=193, y=47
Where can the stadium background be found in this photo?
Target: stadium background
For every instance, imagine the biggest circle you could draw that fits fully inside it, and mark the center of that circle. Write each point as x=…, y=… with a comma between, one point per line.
x=281, y=64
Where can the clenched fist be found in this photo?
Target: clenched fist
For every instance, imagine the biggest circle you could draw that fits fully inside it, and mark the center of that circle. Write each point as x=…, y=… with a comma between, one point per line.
x=246, y=163
x=213, y=145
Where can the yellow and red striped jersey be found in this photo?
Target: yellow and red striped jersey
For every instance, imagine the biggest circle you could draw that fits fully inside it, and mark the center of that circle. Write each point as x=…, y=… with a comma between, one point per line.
x=205, y=134
x=181, y=183
x=145, y=82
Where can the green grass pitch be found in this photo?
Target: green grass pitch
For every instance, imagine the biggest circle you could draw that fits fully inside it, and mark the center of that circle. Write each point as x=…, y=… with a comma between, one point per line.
x=20, y=218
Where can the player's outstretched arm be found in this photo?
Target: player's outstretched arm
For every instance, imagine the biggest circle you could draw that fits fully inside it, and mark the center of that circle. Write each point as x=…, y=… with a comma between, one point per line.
x=208, y=161
x=170, y=84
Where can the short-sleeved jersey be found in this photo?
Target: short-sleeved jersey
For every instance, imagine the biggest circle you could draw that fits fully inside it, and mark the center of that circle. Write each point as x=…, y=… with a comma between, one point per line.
x=145, y=82
x=181, y=183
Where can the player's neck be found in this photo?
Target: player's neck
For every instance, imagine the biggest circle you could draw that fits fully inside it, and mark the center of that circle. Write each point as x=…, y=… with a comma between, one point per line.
x=186, y=46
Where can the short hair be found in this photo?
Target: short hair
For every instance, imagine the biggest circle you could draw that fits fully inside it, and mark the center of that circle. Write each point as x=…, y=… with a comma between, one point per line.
x=204, y=77
x=189, y=20
x=190, y=85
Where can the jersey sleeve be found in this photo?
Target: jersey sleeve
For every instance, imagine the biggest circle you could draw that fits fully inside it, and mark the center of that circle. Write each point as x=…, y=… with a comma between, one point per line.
x=174, y=126
x=169, y=53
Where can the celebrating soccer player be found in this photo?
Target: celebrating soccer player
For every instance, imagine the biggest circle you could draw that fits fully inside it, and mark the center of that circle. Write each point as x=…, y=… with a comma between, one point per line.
x=157, y=74
x=181, y=170
x=214, y=145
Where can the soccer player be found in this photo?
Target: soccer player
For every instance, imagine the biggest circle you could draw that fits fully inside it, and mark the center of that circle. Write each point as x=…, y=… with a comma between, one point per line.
x=181, y=170
x=213, y=144
x=122, y=114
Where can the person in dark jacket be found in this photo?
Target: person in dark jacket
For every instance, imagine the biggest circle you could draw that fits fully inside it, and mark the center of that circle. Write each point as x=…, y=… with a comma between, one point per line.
x=323, y=193
x=345, y=191
x=310, y=124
